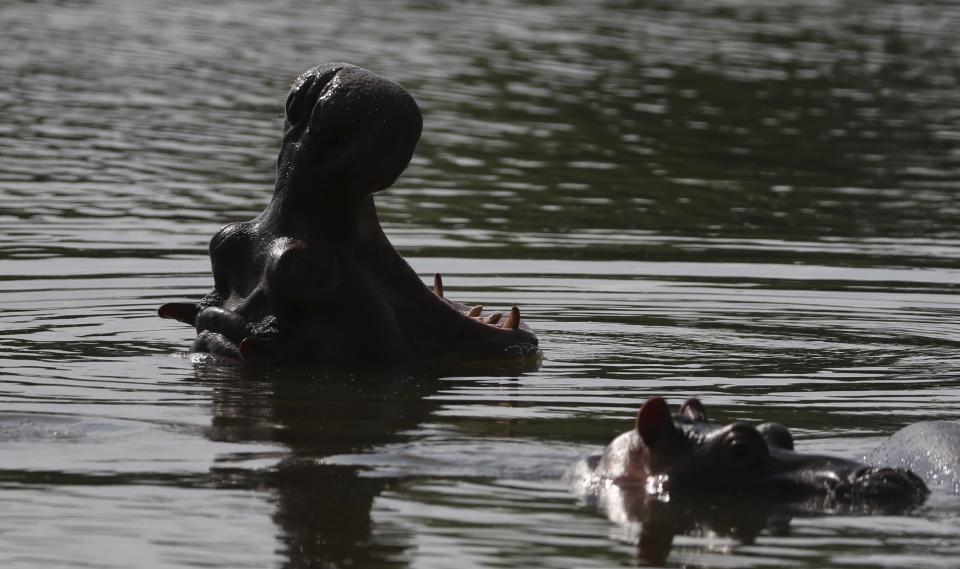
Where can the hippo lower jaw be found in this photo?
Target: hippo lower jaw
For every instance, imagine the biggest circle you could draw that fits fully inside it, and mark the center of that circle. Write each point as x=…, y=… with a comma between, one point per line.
x=464, y=332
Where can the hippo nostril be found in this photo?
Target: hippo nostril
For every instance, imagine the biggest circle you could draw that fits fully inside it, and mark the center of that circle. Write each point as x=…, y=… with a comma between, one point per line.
x=870, y=476
x=883, y=484
x=316, y=118
x=294, y=107
x=875, y=474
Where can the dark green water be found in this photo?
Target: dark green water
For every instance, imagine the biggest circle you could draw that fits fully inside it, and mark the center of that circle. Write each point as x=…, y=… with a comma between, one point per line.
x=751, y=202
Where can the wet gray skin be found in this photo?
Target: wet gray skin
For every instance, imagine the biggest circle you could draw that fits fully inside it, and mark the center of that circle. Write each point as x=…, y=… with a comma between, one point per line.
x=313, y=278
x=667, y=454
x=929, y=448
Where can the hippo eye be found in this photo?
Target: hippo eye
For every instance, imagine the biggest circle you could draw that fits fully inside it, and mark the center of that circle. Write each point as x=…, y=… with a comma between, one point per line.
x=743, y=445
x=739, y=449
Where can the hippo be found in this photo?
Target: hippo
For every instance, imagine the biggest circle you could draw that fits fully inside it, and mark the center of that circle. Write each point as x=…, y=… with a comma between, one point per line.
x=665, y=455
x=679, y=474
x=313, y=278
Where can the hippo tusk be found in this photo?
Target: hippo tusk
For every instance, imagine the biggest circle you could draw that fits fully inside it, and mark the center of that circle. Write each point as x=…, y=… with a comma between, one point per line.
x=513, y=321
x=475, y=311
x=258, y=350
x=437, y=285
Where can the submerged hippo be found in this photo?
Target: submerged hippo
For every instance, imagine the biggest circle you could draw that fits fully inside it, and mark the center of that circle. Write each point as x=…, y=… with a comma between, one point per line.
x=673, y=454
x=313, y=278
x=679, y=474
x=929, y=448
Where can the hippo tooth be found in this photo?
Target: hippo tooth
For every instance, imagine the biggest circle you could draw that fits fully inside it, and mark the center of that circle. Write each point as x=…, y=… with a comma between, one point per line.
x=437, y=285
x=253, y=349
x=513, y=321
x=494, y=318
x=475, y=311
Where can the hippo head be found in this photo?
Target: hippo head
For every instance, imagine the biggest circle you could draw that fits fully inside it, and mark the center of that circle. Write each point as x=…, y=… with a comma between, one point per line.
x=680, y=453
x=313, y=278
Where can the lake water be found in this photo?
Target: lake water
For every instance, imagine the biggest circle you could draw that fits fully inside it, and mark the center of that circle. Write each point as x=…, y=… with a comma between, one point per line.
x=753, y=202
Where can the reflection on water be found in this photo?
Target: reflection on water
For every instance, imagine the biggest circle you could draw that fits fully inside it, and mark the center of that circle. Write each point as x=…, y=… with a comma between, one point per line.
x=322, y=511
x=752, y=202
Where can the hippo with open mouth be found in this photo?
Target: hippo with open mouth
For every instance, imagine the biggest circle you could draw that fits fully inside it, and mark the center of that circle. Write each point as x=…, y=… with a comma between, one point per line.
x=667, y=455
x=313, y=278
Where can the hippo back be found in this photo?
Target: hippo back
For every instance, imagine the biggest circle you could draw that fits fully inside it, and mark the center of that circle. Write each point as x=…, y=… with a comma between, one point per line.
x=931, y=449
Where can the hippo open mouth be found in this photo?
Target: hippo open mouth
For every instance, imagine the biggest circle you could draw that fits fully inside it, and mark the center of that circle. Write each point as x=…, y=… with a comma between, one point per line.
x=313, y=278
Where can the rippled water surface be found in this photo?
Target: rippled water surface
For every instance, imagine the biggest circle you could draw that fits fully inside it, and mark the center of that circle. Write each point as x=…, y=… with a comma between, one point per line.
x=751, y=202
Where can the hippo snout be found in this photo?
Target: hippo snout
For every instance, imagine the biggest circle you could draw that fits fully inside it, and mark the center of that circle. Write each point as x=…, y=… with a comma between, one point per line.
x=884, y=485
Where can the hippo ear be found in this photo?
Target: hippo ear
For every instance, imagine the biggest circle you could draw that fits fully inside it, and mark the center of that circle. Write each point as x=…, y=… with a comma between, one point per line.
x=654, y=421
x=694, y=409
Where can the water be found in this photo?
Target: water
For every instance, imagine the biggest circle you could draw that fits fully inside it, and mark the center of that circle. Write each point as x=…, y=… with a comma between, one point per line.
x=751, y=202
